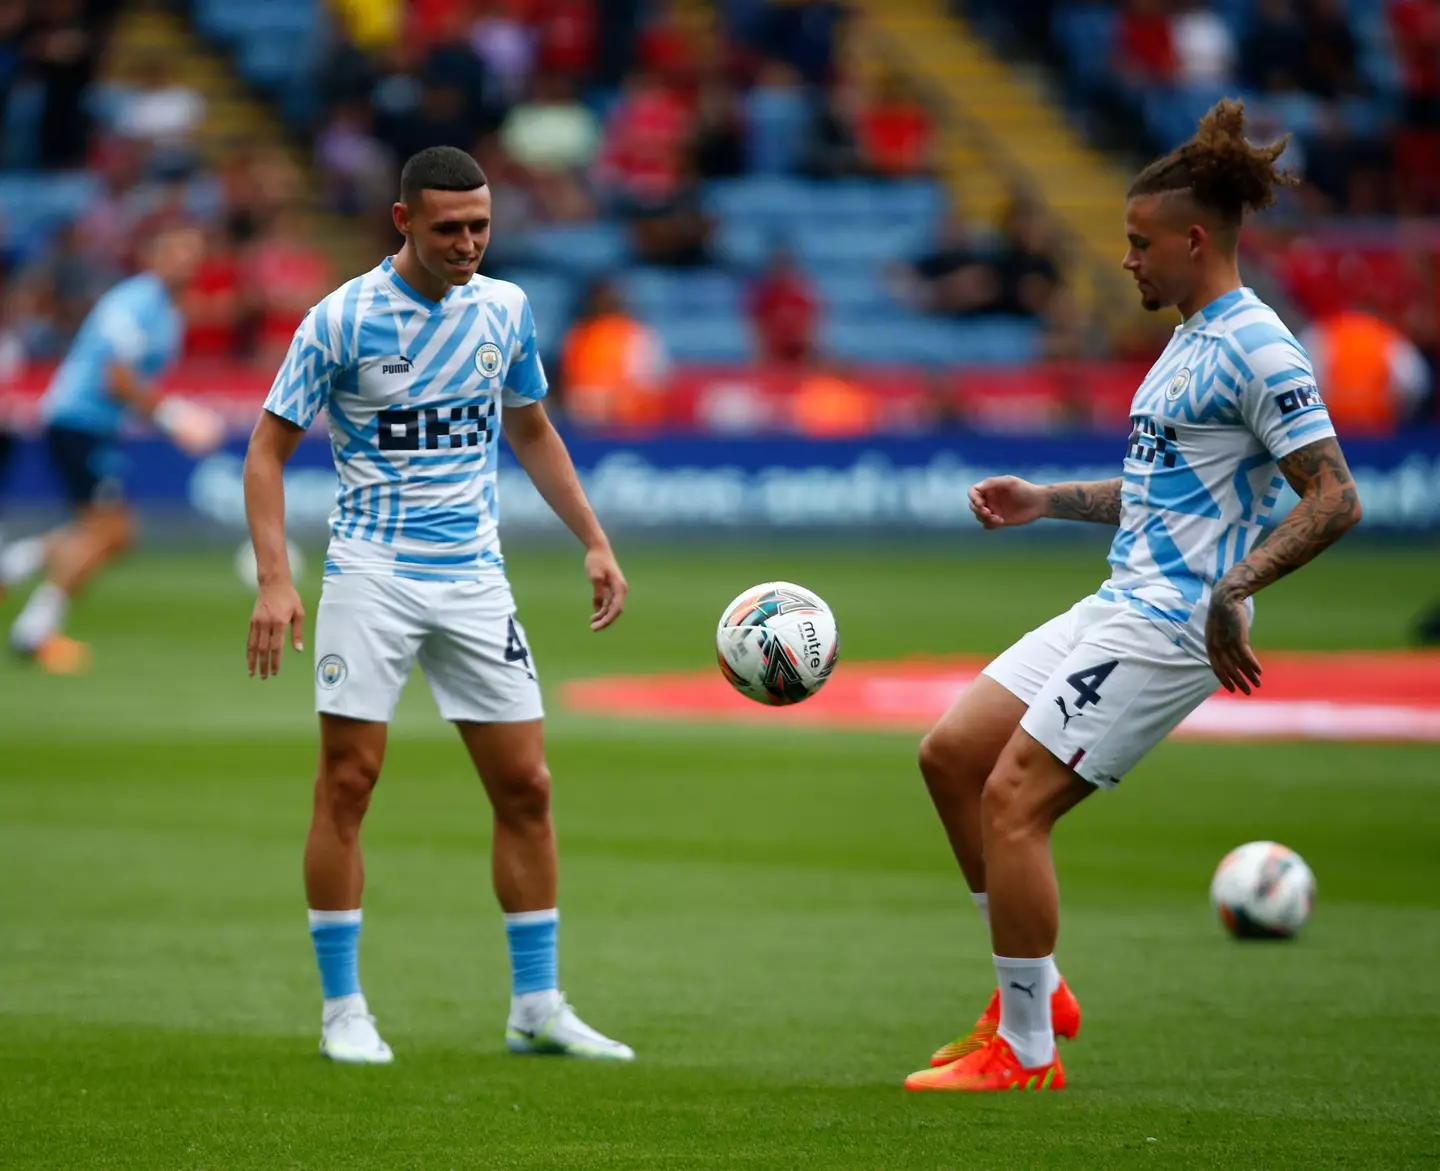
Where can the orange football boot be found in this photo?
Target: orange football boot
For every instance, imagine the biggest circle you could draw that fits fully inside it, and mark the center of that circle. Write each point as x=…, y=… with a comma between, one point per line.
x=1064, y=1016
x=60, y=655
x=991, y=1067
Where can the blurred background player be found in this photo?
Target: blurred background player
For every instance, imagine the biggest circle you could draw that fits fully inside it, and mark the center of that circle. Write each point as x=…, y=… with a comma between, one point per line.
x=433, y=360
x=1228, y=414
x=108, y=377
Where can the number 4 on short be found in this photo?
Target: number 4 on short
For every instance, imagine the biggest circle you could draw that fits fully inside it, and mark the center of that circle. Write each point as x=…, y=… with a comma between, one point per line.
x=515, y=651
x=1087, y=682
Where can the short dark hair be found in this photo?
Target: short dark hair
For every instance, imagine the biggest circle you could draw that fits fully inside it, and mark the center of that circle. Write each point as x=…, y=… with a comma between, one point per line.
x=439, y=168
x=1219, y=168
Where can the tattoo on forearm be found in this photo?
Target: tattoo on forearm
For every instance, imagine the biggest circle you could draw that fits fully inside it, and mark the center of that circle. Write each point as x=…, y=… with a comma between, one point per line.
x=1329, y=506
x=1097, y=501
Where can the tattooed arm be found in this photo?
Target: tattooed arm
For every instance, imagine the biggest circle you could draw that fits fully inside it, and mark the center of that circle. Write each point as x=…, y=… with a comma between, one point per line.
x=1008, y=500
x=1097, y=501
x=1329, y=507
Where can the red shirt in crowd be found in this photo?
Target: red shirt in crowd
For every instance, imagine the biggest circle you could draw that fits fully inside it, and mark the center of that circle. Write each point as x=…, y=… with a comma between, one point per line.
x=645, y=144
x=895, y=137
x=785, y=315
x=1146, y=46
x=1416, y=27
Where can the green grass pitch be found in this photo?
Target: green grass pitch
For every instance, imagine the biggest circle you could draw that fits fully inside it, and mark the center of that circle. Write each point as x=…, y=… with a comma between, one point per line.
x=769, y=916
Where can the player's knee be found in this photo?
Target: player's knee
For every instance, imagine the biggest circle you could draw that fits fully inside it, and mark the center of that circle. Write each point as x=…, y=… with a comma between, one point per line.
x=345, y=784
x=522, y=796
x=1007, y=805
x=946, y=763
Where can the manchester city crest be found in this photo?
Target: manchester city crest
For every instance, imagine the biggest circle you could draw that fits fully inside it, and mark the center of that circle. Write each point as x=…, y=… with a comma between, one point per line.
x=330, y=672
x=487, y=359
x=1178, y=385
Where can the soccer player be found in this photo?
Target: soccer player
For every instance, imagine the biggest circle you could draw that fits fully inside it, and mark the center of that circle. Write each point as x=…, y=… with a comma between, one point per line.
x=419, y=364
x=1227, y=416
x=127, y=341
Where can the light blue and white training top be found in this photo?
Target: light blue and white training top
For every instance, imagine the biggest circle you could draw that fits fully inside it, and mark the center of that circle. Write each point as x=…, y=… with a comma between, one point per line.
x=1233, y=393
x=135, y=324
x=413, y=390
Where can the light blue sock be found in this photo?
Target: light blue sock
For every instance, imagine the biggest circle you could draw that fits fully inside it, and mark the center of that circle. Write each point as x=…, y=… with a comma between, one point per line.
x=532, y=936
x=336, y=935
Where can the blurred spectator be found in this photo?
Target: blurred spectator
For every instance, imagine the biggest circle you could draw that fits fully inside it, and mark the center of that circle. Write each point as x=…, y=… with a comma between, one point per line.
x=784, y=312
x=828, y=405
x=613, y=368
x=108, y=224
x=12, y=56
x=1274, y=52
x=506, y=47
x=70, y=276
x=31, y=321
x=1330, y=61
x=895, y=131
x=551, y=132
x=777, y=120
x=645, y=142
x=1415, y=27
x=805, y=35
x=395, y=97
x=1145, y=52
x=718, y=149
x=1029, y=275
x=161, y=114
x=354, y=164
x=672, y=42
x=283, y=276
x=568, y=36
x=1374, y=377
x=214, y=303
x=62, y=48
x=554, y=138
x=956, y=279
x=833, y=151
x=674, y=233
x=1204, y=45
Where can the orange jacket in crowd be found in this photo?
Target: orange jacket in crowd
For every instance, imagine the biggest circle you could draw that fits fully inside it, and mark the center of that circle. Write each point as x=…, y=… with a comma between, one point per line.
x=614, y=372
x=1370, y=374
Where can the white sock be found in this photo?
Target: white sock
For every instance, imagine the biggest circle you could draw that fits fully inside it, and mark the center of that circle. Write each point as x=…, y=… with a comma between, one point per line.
x=42, y=617
x=1025, y=986
x=21, y=560
x=982, y=904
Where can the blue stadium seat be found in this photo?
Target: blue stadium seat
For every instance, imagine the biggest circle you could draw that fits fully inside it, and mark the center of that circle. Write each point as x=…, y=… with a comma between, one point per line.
x=708, y=339
x=36, y=204
x=552, y=299
x=585, y=249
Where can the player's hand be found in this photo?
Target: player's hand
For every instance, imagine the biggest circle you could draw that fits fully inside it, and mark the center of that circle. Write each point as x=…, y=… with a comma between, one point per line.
x=194, y=429
x=1002, y=501
x=608, y=585
x=277, y=609
x=1227, y=641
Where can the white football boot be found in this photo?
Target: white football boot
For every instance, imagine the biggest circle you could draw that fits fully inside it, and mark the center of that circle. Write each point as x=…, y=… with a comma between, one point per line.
x=550, y=1027
x=348, y=1034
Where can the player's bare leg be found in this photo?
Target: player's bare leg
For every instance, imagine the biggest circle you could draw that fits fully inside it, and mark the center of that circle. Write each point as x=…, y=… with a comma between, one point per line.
x=1029, y=791
x=510, y=758
x=351, y=753
x=957, y=757
x=73, y=555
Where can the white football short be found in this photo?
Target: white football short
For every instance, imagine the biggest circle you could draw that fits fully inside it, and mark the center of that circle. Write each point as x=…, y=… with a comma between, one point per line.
x=370, y=632
x=1104, y=685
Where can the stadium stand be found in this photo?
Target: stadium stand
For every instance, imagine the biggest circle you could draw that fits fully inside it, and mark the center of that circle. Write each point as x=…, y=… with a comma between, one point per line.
x=675, y=148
